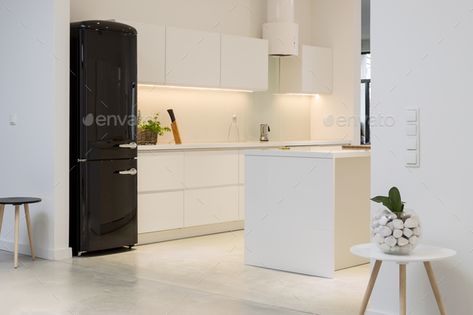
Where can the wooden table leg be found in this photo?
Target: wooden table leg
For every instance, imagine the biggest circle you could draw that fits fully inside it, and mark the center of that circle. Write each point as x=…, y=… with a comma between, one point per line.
x=369, y=289
x=17, y=233
x=435, y=288
x=402, y=290
x=2, y=207
x=28, y=225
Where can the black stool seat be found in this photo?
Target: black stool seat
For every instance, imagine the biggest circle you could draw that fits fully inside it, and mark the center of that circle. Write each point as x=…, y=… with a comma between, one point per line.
x=18, y=200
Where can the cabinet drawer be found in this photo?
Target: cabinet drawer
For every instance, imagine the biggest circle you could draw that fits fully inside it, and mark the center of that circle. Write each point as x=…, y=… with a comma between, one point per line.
x=160, y=211
x=160, y=171
x=211, y=168
x=210, y=205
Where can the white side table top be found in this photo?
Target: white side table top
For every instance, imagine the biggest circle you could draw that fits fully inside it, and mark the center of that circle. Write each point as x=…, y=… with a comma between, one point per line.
x=420, y=254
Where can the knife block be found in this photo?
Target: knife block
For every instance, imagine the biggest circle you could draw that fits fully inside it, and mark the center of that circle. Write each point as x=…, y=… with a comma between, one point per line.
x=175, y=132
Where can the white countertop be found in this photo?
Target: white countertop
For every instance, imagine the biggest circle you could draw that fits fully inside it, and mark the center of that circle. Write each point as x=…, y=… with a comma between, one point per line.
x=239, y=145
x=312, y=152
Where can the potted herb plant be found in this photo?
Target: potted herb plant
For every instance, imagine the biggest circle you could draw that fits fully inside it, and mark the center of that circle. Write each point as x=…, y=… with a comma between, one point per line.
x=150, y=129
x=395, y=230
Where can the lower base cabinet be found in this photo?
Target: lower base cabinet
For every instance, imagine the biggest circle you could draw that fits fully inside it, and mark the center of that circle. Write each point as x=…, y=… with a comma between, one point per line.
x=179, y=190
x=160, y=211
x=210, y=205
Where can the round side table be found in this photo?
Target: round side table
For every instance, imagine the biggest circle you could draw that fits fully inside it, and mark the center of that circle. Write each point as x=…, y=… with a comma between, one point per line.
x=422, y=253
x=17, y=202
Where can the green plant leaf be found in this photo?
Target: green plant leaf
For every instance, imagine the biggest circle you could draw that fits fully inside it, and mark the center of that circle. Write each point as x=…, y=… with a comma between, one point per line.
x=386, y=201
x=395, y=198
x=153, y=125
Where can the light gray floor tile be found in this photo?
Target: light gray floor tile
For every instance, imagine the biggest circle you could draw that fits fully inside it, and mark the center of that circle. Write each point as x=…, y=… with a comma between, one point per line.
x=204, y=275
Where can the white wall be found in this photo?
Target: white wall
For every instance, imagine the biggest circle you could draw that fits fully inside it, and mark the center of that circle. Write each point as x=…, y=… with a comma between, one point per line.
x=337, y=24
x=432, y=71
x=227, y=16
x=34, y=83
x=206, y=116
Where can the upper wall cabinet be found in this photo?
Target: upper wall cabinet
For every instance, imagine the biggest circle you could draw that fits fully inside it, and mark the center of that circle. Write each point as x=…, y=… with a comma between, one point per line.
x=151, y=52
x=309, y=73
x=192, y=58
x=244, y=63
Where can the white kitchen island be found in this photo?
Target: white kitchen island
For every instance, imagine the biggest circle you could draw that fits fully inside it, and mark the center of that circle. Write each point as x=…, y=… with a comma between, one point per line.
x=305, y=208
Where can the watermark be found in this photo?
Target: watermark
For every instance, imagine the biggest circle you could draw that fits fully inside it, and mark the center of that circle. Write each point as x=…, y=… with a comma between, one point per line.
x=109, y=120
x=351, y=121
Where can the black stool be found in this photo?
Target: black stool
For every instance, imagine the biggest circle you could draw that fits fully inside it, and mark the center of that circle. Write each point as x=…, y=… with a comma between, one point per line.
x=17, y=202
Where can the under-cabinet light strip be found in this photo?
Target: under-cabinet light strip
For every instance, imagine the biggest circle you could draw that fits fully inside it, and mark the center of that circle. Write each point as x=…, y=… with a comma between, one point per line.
x=194, y=88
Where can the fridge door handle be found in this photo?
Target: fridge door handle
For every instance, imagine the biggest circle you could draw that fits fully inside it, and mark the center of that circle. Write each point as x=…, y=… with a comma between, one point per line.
x=131, y=171
x=131, y=145
x=133, y=109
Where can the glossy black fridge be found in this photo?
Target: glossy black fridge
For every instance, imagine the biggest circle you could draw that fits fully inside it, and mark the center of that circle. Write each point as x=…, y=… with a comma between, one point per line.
x=103, y=150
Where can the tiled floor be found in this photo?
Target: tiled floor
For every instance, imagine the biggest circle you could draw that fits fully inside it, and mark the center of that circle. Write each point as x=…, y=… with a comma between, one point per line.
x=204, y=275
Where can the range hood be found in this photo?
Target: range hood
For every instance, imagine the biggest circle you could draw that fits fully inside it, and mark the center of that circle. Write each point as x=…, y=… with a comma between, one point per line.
x=280, y=29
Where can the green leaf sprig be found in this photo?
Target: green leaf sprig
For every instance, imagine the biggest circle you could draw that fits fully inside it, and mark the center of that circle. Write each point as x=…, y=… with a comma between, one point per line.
x=153, y=125
x=393, y=201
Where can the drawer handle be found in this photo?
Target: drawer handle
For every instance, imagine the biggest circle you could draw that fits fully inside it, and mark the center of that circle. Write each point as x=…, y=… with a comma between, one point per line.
x=131, y=171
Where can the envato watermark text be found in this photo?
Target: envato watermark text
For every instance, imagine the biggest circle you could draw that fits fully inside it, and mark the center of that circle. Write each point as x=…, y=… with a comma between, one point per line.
x=351, y=121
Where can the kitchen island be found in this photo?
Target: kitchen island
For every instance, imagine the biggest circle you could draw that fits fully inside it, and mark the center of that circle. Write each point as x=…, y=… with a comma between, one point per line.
x=305, y=208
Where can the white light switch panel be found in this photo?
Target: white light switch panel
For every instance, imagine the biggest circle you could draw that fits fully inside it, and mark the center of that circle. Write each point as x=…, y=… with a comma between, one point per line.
x=411, y=143
x=411, y=130
x=411, y=115
x=411, y=158
x=13, y=119
x=412, y=138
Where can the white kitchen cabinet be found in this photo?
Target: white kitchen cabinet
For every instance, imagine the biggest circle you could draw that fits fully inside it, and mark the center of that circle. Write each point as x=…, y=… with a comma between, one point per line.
x=211, y=168
x=151, y=46
x=241, y=202
x=192, y=58
x=160, y=171
x=309, y=73
x=210, y=205
x=241, y=167
x=160, y=211
x=244, y=63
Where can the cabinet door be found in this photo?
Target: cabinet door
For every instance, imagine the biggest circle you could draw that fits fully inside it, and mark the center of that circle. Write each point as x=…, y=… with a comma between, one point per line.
x=241, y=167
x=210, y=205
x=160, y=171
x=244, y=63
x=192, y=58
x=316, y=69
x=151, y=52
x=308, y=73
x=160, y=211
x=211, y=168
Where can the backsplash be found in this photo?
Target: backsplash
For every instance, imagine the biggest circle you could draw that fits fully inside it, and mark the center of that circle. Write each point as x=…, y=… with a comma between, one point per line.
x=206, y=116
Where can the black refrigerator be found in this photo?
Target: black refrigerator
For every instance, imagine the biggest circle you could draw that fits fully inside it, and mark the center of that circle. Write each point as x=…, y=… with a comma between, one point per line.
x=103, y=150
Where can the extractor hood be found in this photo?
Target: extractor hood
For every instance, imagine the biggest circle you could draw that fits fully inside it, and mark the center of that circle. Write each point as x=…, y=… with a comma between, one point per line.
x=280, y=29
